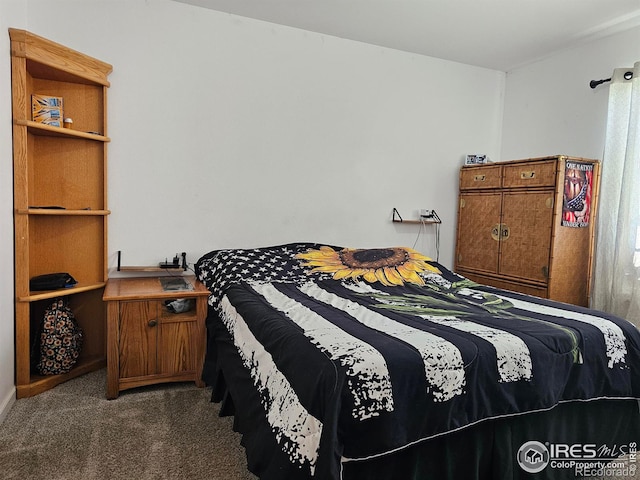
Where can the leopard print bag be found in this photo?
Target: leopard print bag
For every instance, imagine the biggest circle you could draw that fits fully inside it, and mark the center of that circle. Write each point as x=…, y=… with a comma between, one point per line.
x=60, y=340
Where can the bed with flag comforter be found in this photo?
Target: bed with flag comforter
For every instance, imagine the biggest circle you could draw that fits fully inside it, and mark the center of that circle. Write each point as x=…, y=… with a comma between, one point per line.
x=382, y=364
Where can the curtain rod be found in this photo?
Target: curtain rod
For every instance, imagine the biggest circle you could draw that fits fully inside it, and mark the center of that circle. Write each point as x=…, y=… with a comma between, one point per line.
x=595, y=83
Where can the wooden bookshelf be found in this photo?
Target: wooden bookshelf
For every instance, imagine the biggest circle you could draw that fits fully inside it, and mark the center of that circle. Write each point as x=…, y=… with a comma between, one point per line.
x=59, y=167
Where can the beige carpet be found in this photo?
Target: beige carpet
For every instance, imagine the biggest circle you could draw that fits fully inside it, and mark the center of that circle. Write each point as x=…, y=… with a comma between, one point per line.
x=72, y=432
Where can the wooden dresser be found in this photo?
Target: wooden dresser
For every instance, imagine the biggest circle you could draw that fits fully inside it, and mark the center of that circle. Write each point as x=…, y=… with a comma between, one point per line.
x=528, y=226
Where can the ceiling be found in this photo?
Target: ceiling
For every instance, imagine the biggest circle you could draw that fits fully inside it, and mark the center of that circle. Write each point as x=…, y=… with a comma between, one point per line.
x=496, y=34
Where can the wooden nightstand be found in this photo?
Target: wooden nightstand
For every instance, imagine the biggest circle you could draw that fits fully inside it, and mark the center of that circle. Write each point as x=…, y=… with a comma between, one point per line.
x=146, y=342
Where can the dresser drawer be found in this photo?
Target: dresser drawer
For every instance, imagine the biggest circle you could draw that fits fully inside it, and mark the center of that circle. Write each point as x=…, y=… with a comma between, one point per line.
x=530, y=174
x=475, y=178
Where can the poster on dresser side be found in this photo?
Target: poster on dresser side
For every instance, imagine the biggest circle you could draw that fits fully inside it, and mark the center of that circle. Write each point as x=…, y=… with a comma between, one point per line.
x=576, y=201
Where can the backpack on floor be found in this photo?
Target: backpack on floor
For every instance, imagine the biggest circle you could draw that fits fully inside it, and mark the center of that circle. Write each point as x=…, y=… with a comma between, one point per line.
x=60, y=340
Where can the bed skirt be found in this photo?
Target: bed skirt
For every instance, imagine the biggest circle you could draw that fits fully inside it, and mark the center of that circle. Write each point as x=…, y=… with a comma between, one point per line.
x=487, y=450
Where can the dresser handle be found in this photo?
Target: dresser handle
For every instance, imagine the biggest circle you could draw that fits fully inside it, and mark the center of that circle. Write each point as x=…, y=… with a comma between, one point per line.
x=152, y=323
x=500, y=232
x=545, y=271
x=495, y=232
x=479, y=178
x=528, y=174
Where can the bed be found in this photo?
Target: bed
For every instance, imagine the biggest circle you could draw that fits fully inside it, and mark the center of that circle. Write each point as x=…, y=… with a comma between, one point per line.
x=381, y=364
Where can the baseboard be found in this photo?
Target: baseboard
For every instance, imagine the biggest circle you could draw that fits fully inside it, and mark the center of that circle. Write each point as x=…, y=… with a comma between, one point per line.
x=7, y=403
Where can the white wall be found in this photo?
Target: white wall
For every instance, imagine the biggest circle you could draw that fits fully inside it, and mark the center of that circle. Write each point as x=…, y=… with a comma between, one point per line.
x=12, y=14
x=230, y=132
x=549, y=107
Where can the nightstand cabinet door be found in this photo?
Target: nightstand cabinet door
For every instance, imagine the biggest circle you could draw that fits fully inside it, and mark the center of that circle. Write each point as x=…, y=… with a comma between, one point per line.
x=138, y=342
x=177, y=336
x=156, y=341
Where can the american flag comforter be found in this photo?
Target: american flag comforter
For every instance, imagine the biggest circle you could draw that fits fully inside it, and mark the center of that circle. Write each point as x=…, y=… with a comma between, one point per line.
x=357, y=353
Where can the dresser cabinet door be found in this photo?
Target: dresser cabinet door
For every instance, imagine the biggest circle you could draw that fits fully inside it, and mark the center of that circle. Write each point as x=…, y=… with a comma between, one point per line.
x=478, y=230
x=526, y=235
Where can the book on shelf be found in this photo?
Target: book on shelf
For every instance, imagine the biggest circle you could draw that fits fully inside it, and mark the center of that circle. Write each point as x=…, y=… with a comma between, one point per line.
x=47, y=110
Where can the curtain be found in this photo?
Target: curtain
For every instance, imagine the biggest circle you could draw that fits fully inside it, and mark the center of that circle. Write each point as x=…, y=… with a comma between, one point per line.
x=616, y=280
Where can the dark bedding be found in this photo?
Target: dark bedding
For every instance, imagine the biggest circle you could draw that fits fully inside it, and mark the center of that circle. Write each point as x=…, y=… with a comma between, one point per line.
x=340, y=356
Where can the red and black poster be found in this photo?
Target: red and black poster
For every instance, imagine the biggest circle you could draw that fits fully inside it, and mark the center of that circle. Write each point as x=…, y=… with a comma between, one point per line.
x=576, y=204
